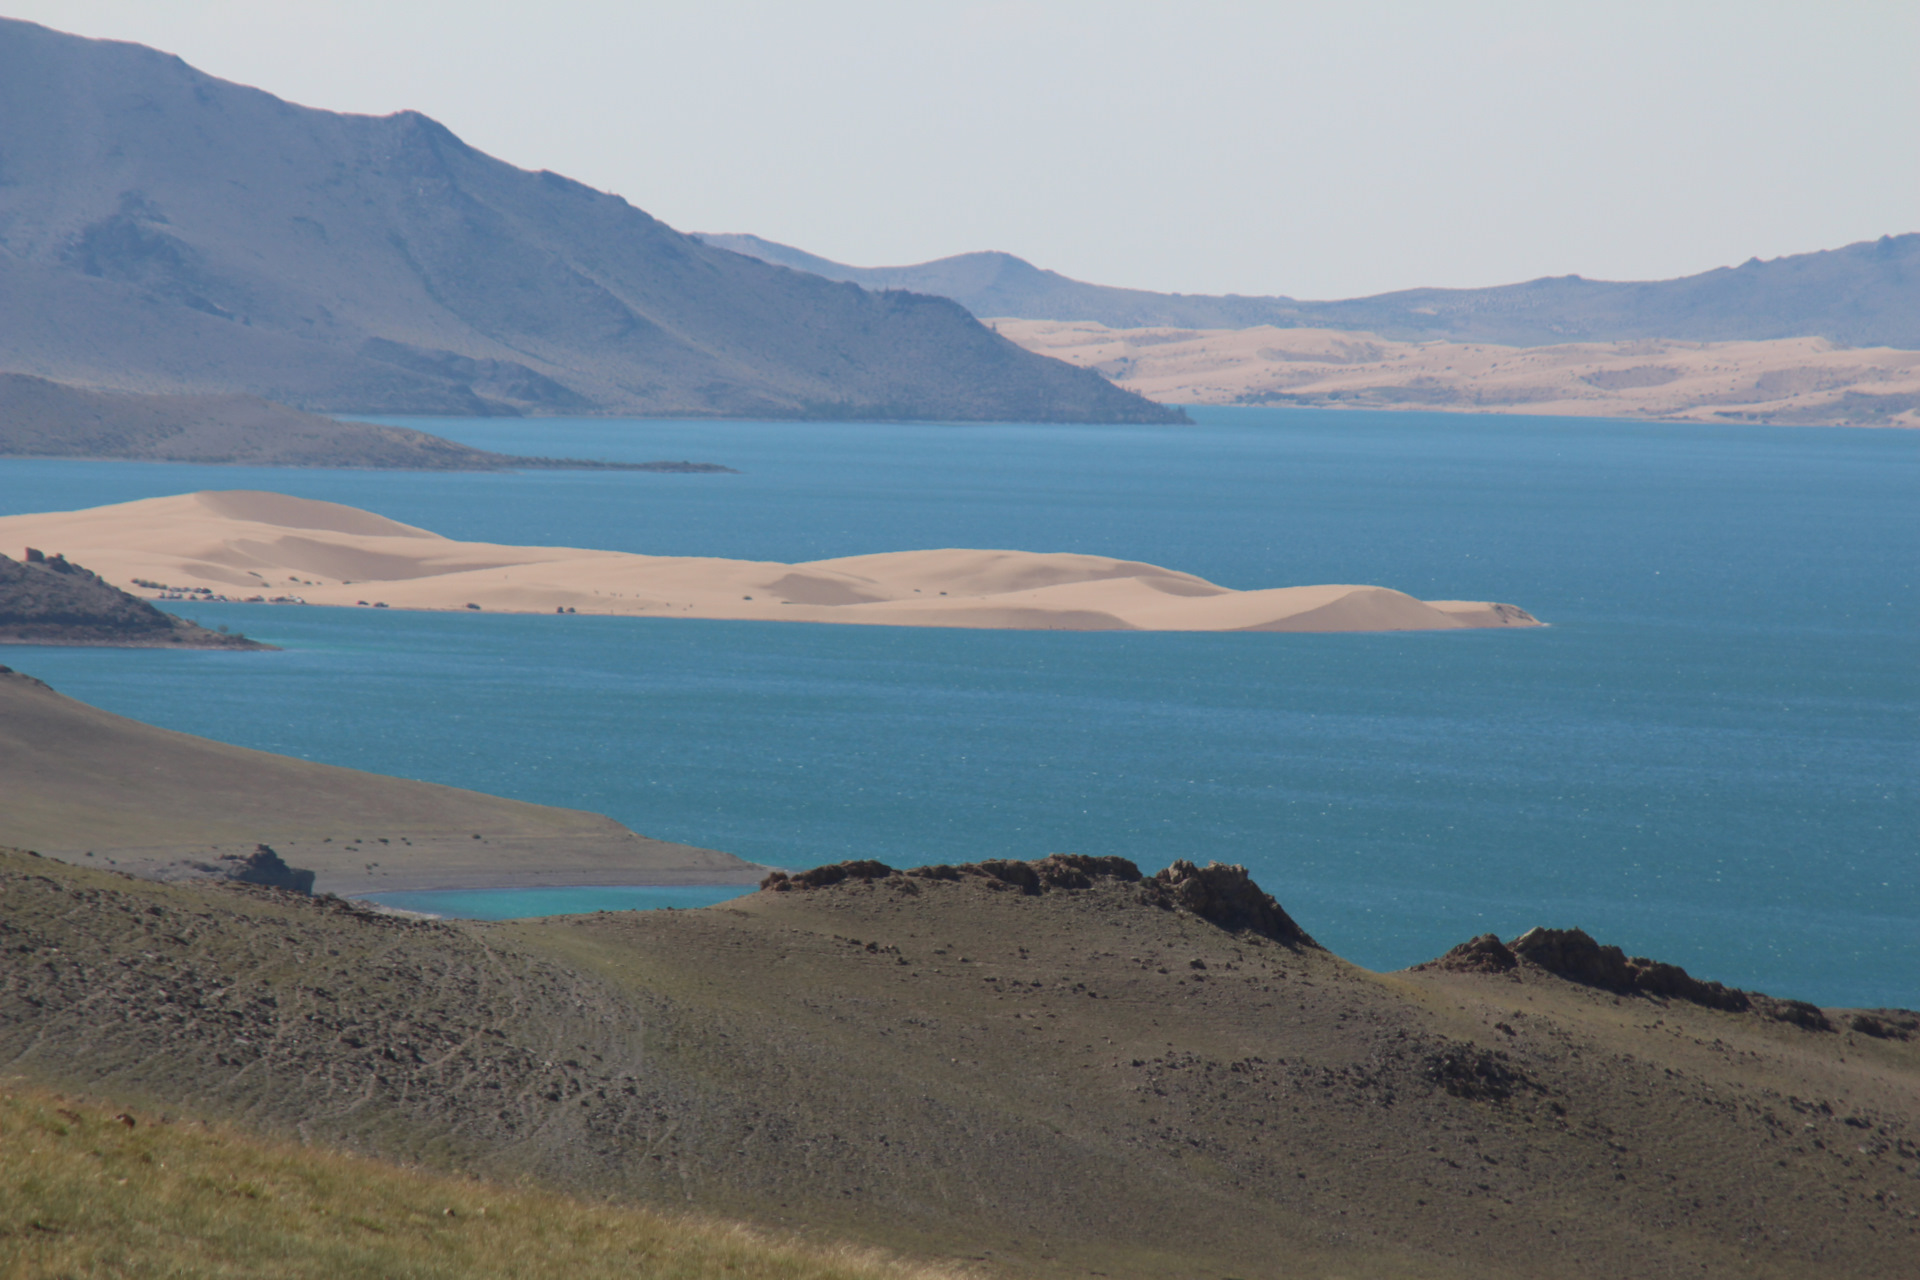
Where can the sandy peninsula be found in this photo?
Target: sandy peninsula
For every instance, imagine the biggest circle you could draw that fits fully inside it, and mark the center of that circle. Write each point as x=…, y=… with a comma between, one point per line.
x=247, y=545
x=1788, y=381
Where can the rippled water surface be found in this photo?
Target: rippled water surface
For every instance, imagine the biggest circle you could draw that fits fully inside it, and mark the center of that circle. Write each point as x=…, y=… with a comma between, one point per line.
x=1709, y=757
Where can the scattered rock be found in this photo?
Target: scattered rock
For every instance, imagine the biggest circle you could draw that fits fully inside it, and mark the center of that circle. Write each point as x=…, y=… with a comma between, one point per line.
x=1467, y=1071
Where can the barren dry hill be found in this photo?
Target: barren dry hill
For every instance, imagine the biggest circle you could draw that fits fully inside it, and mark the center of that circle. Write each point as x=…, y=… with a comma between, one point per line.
x=169, y=231
x=44, y=419
x=1055, y=1068
x=86, y=785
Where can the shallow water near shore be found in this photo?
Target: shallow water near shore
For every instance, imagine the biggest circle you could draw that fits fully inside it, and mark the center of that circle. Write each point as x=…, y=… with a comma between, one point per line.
x=1709, y=757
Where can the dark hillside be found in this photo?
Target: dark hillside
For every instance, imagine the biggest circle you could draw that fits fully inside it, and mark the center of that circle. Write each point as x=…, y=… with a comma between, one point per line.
x=1865, y=294
x=167, y=231
x=42, y=419
x=1052, y=1068
x=47, y=600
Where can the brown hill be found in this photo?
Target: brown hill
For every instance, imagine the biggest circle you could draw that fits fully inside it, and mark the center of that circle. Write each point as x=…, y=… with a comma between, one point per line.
x=43, y=419
x=169, y=231
x=1054, y=1069
x=49, y=600
x=86, y=785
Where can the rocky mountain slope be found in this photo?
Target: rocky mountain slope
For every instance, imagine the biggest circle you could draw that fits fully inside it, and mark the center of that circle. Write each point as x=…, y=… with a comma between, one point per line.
x=168, y=231
x=42, y=419
x=1863, y=295
x=1049, y=1068
x=50, y=600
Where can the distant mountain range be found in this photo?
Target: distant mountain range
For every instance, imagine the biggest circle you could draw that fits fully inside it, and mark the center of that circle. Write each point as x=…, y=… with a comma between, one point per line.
x=1866, y=294
x=162, y=230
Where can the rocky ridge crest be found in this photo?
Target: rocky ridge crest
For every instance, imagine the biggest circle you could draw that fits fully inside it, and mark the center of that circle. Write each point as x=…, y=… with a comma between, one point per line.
x=1220, y=893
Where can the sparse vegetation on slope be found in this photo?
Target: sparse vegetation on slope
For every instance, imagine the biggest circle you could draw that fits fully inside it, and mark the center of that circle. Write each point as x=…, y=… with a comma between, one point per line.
x=1069, y=1070
x=95, y=1188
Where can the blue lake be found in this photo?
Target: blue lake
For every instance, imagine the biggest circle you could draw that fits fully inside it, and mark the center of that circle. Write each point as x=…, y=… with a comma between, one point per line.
x=1710, y=756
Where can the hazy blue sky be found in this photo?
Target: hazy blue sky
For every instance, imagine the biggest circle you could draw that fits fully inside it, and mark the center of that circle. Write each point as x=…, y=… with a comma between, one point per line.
x=1319, y=150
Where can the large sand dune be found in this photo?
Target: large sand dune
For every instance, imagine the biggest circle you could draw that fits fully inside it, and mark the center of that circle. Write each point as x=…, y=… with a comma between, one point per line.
x=243, y=545
x=1796, y=381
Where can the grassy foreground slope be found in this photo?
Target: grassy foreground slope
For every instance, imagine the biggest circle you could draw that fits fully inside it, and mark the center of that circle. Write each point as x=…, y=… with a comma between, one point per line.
x=1052, y=1069
x=91, y=1188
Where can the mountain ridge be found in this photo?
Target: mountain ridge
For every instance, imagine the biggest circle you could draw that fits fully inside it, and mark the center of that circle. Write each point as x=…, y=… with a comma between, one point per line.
x=169, y=231
x=1861, y=294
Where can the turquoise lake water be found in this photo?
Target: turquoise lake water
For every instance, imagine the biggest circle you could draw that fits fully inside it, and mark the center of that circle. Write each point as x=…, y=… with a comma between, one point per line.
x=1710, y=757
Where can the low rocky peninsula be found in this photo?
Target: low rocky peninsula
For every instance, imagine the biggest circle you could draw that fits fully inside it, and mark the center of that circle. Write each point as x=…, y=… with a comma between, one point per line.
x=40, y=418
x=47, y=599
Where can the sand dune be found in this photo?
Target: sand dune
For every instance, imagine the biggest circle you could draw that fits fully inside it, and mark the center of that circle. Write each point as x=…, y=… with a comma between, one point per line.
x=244, y=545
x=1795, y=381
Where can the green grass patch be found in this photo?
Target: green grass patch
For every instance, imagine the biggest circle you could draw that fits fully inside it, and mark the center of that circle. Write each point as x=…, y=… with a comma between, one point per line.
x=89, y=1189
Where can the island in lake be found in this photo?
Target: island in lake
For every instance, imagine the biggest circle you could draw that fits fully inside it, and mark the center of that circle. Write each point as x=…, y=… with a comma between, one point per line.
x=268, y=547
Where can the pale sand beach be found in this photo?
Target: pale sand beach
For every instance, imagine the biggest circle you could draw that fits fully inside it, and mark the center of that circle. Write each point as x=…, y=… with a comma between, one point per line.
x=250, y=545
x=1791, y=381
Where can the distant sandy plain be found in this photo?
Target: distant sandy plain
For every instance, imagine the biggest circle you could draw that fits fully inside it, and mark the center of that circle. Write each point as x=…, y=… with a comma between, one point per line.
x=251, y=545
x=1790, y=381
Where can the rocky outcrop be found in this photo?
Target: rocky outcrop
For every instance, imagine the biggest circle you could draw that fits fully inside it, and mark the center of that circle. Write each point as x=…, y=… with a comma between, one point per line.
x=1484, y=954
x=1886, y=1024
x=1219, y=893
x=1574, y=955
x=262, y=867
x=1226, y=895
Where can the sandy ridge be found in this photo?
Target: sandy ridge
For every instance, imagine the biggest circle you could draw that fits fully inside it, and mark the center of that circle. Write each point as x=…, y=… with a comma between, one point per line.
x=251, y=545
x=1790, y=381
